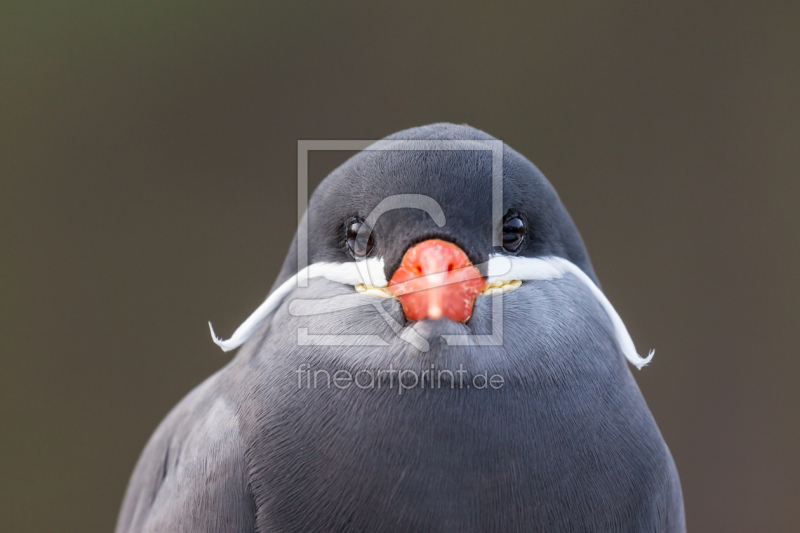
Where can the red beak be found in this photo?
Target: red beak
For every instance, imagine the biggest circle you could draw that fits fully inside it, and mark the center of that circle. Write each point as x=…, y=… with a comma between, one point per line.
x=436, y=279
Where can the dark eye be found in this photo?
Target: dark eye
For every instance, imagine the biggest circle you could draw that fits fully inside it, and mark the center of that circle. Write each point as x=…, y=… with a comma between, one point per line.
x=360, y=245
x=513, y=232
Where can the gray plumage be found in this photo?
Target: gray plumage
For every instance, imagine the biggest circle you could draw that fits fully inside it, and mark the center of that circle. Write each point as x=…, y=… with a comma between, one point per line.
x=567, y=444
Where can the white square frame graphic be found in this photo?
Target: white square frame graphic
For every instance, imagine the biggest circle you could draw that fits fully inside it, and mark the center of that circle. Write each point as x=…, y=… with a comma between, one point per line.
x=495, y=146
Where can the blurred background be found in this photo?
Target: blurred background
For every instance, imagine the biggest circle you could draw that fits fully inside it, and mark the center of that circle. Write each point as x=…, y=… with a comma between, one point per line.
x=148, y=158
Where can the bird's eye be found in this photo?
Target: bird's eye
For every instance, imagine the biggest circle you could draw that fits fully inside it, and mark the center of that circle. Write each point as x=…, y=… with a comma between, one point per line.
x=360, y=245
x=513, y=232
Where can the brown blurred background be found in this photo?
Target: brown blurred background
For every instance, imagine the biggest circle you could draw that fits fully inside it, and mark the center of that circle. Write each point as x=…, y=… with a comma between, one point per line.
x=148, y=155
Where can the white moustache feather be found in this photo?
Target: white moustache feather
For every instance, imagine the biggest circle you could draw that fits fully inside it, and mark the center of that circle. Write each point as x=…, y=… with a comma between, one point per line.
x=370, y=273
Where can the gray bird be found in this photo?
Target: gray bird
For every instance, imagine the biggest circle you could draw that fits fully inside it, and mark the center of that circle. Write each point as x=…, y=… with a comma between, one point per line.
x=435, y=355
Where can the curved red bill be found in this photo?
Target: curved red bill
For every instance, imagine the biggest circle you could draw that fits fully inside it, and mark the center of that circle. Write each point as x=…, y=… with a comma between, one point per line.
x=435, y=280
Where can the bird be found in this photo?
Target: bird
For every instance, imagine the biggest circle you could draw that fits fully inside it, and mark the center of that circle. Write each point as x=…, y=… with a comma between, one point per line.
x=436, y=354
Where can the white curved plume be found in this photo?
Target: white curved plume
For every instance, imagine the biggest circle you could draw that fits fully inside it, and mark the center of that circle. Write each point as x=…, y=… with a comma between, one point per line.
x=499, y=268
x=545, y=268
x=346, y=273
